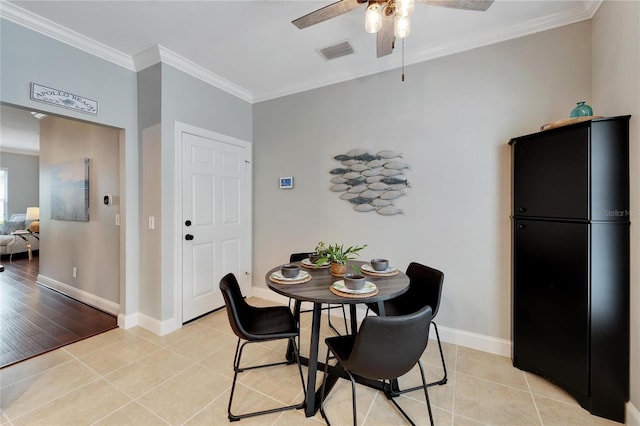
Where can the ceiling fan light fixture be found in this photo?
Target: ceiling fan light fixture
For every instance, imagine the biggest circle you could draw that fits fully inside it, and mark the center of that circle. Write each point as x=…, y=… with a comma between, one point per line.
x=404, y=7
x=373, y=18
x=402, y=26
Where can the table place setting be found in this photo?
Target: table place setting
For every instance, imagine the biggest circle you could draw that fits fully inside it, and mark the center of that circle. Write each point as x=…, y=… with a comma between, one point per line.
x=307, y=263
x=290, y=274
x=379, y=267
x=340, y=289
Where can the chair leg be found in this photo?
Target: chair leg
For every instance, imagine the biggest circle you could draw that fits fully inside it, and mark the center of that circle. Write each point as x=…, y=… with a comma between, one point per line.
x=344, y=318
x=322, y=391
x=424, y=386
x=444, y=367
x=237, y=369
x=426, y=393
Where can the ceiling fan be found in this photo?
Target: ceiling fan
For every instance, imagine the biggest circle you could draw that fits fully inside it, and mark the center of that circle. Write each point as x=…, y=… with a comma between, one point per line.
x=388, y=18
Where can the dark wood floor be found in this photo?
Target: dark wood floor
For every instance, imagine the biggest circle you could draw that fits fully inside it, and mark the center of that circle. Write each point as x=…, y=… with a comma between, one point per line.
x=36, y=319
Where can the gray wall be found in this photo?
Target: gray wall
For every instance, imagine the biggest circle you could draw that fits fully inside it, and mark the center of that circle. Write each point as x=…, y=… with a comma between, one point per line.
x=616, y=91
x=27, y=56
x=167, y=96
x=452, y=119
x=92, y=247
x=23, y=183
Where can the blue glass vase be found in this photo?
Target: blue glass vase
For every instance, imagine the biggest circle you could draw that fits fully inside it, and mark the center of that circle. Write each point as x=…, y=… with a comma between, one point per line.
x=581, y=110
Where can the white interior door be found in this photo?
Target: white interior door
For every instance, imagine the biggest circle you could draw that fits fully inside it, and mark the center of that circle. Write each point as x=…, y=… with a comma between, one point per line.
x=216, y=221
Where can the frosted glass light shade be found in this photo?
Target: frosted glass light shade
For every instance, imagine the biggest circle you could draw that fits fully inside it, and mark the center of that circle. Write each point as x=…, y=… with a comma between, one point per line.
x=33, y=213
x=402, y=26
x=404, y=7
x=373, y=18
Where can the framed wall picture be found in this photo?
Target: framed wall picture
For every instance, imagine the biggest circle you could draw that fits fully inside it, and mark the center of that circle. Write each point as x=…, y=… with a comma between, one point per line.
x=70, y=190
x=286, y=182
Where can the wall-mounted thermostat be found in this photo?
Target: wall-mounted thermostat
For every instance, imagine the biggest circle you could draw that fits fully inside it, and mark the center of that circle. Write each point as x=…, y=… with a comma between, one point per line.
x=108, y=200
x=286, y=182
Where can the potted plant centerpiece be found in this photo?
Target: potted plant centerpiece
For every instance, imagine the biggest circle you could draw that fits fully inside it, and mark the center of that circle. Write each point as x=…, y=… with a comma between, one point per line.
x=338, y=255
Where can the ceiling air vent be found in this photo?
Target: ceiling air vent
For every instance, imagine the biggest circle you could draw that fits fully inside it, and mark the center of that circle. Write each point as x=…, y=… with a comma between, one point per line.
x=336, y=51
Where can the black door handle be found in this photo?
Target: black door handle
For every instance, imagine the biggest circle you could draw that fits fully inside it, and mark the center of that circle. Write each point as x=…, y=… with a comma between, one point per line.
x=187, y=222
x=188, y=237
x=522, y=209
x=521, y=226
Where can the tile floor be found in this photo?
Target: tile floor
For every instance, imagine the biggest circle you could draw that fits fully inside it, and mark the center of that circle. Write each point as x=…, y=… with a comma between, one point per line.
x=134, y=377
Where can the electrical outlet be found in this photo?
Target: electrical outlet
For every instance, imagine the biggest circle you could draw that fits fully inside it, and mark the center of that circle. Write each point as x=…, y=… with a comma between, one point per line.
x=74, y=272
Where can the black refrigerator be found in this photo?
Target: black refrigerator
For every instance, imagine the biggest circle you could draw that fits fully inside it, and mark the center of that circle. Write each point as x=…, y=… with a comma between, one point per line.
x=570, y=260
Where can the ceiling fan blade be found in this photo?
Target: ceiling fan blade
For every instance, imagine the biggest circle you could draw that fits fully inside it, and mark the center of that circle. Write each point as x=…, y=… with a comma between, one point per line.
x=327, y=12
x=479, y=5
x=385, y=37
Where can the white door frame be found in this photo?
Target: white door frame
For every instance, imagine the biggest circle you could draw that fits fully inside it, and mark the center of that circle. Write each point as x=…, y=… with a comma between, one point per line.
x=245, y=279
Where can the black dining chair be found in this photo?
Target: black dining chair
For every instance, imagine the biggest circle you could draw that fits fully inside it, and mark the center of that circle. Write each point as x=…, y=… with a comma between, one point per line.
x=297, y=257
x=258, y=324
x=384, y=348
x=425, y=289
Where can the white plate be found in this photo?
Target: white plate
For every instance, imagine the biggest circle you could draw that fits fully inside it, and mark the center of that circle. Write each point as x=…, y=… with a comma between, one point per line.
x=367, y=267
x=309, y=263
x=368, y=287
x=301, y=276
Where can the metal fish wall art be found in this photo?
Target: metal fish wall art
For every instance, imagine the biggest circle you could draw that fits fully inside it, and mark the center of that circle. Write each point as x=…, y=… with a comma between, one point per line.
x=371, y=182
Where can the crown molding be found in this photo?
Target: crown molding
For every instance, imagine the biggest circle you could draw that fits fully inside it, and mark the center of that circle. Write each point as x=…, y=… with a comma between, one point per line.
x=584, y=10
x=23, y=17
x=151, y=56
x=158, y=53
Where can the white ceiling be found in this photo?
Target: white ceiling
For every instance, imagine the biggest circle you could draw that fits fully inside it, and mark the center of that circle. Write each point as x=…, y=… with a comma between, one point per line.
x=251, y=49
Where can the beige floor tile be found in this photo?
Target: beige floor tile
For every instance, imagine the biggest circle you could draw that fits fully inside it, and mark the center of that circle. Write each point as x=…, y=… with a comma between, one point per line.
x=83, y=406
x=218, y=320
x=201, y=344
x=184, y=395
x=281, y=383
x=221, y=360
x=555, y=413
x=441, y=396
x=132, y=414
x=40, y=389
x=140, y=377
x=115, y=355
x=383, y=412
x=464, y=421
x=245, y=400
x=297, y=417
x=490, y=367
x=36, y=365
x=432, y=354
x=543, y=387
x=167, y=339
x=492, y=403
x=338, y=403
x=99, y=342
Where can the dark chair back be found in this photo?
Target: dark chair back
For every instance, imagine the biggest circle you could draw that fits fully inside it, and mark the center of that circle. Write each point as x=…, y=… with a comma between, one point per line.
x=237, y=307
x=297, y=257
x=425, y=289
x=388, y=347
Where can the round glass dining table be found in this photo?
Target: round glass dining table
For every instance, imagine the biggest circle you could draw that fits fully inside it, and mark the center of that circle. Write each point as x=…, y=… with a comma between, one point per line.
x=317, y=291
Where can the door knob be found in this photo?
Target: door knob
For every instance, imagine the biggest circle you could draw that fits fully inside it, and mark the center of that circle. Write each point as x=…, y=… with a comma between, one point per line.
x=521, y=226
x=187, y=222
x=522, y=209
x=188, y=237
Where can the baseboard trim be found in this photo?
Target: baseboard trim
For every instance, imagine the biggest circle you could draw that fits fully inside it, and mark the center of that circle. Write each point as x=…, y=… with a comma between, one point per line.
x=633, y=415
x=80, y=295
x=467, y=339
